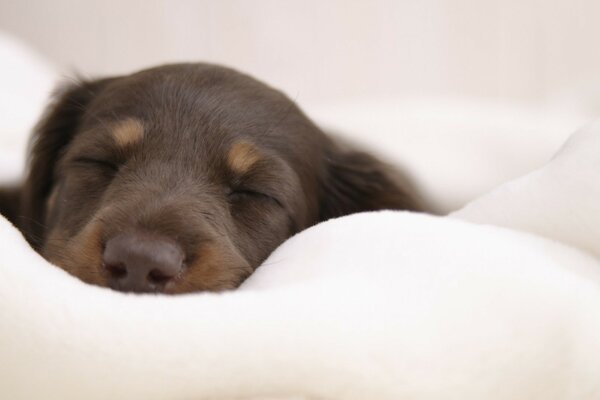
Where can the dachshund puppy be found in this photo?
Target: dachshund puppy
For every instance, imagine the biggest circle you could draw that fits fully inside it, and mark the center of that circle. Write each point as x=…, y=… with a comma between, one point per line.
x=184, y=178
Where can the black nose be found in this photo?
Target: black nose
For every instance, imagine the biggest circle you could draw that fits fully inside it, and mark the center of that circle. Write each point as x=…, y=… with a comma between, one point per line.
x=141, y=262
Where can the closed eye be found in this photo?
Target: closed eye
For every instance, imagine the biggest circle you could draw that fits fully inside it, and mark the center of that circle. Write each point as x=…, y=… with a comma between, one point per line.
x=97, y=162
x=244, y=194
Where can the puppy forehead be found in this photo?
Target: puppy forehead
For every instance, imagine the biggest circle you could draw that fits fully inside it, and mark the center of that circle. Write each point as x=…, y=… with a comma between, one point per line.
x=127, y=132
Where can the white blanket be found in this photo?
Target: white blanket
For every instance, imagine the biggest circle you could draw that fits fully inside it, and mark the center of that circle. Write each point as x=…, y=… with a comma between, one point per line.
x=386, y=305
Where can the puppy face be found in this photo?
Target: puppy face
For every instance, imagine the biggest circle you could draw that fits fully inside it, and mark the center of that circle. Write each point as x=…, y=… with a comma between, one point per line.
x=185, y=178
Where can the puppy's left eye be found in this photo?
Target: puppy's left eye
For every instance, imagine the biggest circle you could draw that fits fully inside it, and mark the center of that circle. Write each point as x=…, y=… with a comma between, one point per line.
x=245, y=194
x=97, y=162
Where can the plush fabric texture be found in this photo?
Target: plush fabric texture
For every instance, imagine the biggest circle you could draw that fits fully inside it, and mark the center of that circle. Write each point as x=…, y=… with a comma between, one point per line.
x=501, y=300
x=559, y=201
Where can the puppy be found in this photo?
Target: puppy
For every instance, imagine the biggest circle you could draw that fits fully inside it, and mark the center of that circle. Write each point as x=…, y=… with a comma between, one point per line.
x=184, y=178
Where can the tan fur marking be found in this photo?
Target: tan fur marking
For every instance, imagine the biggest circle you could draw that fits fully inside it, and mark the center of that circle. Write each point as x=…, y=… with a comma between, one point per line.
x=80, y=256
x=51, y=202
x=242, y=156
x=219, y=267
x=128, y=132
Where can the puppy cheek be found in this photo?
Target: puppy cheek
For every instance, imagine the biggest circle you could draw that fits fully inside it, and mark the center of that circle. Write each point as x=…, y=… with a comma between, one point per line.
x=80, y=255
x=218, y=267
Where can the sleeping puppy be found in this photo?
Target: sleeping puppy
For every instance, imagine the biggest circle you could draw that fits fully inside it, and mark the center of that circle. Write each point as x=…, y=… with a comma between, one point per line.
x=184, y=178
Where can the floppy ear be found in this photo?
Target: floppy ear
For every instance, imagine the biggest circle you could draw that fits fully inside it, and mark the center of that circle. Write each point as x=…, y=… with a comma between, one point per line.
x=357, y=181
x=51, y=135
x=9, y=202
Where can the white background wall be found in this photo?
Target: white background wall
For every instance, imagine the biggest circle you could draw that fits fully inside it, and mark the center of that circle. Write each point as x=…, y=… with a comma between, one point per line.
x=536, y=51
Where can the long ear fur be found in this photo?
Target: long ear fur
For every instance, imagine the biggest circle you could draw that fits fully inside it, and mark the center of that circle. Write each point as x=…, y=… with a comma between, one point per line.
x=9, y=202
x=53, y=132
x=357, y=181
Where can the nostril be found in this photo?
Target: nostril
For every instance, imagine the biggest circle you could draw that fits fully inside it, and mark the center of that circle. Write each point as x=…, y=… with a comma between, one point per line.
x=116, y=270
x=141, y=262
x=158, y=277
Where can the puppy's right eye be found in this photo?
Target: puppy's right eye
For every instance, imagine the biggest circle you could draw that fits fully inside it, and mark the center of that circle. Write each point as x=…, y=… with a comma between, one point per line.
x=241, y=194
x=107, y=165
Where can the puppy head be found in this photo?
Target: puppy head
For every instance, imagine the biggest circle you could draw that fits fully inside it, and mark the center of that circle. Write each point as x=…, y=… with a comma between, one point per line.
x=184, y=178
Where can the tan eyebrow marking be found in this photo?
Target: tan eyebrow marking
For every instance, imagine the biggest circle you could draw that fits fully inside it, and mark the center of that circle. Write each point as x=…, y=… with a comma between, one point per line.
x=128, y=132
x=242, y=156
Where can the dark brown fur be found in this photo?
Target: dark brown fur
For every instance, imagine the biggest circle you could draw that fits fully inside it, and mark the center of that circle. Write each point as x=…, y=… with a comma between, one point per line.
x=82, y=189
